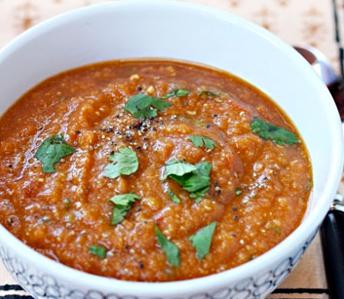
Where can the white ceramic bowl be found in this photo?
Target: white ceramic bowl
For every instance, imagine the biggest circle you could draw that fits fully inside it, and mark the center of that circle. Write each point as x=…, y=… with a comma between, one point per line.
x=199, y=34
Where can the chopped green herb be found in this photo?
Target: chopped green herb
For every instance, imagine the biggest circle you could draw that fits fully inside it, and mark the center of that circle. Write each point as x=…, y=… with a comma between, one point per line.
x=193, y=178
x=118, y=214
x=67, y=202
x=142, y=106
x=123, y=203
x=170, y=249
x=173, y=197
x=124, y=162
x=51, y=151
x=198, y=195
x=238, y=191
x=197, y=182
x=196, y=140
x=271, y=132
x=208, y=93
x=177, y=93
x=98, y=250
x=124, y=199
x=178, y=168
x=201, y=240
x=202, y=141
x=277, y=229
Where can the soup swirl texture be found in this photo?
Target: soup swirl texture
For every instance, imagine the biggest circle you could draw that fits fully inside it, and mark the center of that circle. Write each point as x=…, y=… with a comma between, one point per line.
x=150, y=170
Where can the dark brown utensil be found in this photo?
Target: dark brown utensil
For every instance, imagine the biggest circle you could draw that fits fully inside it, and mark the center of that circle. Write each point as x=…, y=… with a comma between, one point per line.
x=334, y=83
x=332, y=229
x=337, y=91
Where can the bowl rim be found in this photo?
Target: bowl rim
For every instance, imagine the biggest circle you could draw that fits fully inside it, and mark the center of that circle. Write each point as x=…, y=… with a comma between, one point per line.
x=273, y=256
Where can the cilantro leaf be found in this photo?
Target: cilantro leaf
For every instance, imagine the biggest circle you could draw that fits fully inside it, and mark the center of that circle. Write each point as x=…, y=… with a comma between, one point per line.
x=118, y=214
x=142, y=106
x=238, y=191
x=178, y=168
x=271, y=132
x=51, y=151
x=160, y=104
x=208, y=93
x=199, y=194
x=177, y=93
x=194, y=179
x=197, y=179
x=124, y=199
x=170, y=249
x=98, y=250
x=196, y=140
x=123, y=203
x=201, y=240
x=173, y=197
x=202, y=141
x=124, y=162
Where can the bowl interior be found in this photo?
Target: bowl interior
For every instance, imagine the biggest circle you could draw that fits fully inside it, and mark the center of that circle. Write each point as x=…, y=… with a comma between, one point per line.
x=202, y=35
x=181, y=33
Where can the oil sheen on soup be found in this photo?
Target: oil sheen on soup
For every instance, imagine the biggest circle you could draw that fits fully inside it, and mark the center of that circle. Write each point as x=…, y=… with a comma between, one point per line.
x=150, y=170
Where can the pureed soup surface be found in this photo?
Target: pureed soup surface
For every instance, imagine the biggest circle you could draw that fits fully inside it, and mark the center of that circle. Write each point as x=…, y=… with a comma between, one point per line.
x=150, y=170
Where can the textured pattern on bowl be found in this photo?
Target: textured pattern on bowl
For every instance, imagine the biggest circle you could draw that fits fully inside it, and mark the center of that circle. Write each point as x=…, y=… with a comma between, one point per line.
x=42, y=285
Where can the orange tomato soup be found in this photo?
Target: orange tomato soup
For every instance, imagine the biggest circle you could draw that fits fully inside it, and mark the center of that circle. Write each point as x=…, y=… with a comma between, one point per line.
x=150, y=170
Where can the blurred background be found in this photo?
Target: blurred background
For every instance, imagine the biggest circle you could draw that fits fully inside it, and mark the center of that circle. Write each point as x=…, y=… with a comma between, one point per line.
x=298, y=22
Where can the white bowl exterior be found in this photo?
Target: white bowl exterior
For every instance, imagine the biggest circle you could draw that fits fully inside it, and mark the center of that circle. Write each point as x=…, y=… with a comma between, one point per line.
x=45, y=283
x=132, y=29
